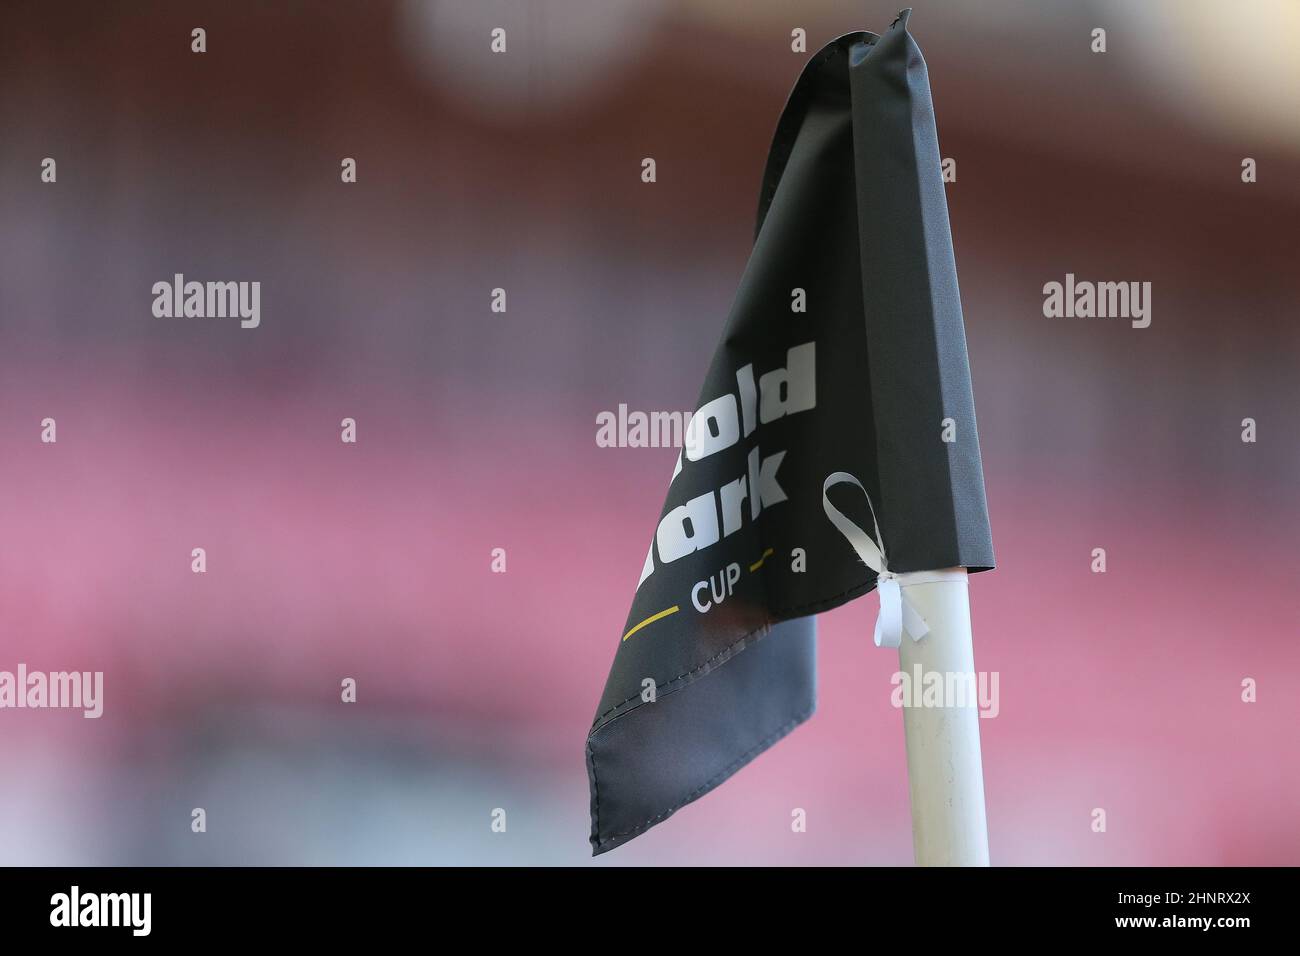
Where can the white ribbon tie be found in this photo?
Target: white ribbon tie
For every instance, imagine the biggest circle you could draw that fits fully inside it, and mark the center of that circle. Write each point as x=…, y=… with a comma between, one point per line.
x=896, y=612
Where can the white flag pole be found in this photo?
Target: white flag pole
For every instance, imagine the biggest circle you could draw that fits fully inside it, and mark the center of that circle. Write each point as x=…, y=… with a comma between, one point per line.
x=926, y=615
x=944, y=769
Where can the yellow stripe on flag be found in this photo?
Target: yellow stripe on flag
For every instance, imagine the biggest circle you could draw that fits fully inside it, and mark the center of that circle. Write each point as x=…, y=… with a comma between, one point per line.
x=651, y=619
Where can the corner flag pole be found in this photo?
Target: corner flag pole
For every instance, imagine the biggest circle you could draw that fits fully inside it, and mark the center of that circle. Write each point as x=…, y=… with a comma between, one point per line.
x=944, y=769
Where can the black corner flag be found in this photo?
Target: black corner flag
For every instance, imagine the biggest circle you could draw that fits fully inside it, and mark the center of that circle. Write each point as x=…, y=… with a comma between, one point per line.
x=844, y=353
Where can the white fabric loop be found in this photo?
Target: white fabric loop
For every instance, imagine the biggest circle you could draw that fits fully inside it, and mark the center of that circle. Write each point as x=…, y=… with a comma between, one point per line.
x=896, y=612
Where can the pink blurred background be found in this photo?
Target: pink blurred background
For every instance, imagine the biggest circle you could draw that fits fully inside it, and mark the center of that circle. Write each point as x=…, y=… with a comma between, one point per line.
x=476, y=430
